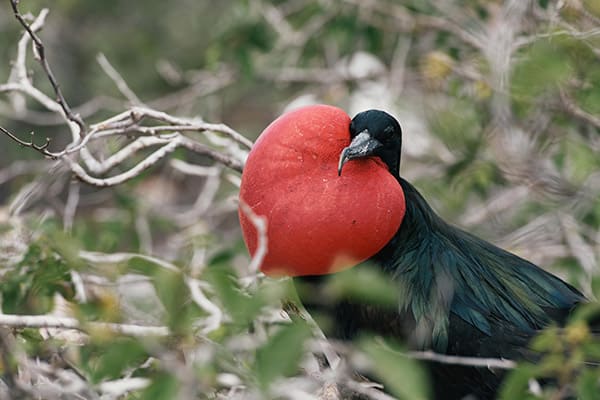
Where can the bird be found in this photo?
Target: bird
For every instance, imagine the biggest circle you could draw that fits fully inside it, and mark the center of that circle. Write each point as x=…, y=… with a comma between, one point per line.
x=333, y=198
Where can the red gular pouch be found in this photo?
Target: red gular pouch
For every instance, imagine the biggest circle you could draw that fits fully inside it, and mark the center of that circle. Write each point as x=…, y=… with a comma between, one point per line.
x=317, y=222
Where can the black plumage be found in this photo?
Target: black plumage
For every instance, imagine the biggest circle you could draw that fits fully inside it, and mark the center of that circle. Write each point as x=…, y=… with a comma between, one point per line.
x=458, y=294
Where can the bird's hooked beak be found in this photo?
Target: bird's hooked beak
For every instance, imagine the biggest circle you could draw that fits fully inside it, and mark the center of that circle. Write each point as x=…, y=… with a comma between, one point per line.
x=363, y=145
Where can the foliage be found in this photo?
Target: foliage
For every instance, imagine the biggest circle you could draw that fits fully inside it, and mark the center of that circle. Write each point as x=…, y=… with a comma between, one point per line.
x=499, y=103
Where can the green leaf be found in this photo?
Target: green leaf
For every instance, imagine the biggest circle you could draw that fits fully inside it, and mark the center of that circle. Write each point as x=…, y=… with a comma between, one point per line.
x=281, y=354
x=516, y=384
x=596, y=286
x=544, y=65
x=242, y=307
x=588, y=385
x=164, y=386
x=174, y=295
x=30, y=288
x=401, y=375
x=364, y=284
x=108, y=359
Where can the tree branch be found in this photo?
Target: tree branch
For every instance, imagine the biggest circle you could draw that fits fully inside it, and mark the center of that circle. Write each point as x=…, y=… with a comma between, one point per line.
x=40, y=55
x=43, y=148
x=44, y=321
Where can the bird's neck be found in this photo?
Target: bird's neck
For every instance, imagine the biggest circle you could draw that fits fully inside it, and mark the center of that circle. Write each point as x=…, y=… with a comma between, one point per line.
x=391, y=157
x=419, y=222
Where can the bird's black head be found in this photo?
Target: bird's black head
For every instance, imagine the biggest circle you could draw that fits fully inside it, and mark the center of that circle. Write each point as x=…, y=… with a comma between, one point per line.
x=374, y=133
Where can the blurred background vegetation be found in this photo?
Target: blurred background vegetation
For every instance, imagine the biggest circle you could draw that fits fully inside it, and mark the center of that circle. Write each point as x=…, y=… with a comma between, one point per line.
x=500, y=107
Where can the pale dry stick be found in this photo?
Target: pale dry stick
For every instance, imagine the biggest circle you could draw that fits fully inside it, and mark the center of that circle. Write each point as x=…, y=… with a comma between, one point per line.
x=126, y=123
x=279, y=24
x=260, y=224
x=118, y=80
x=198, y=123
x=200, y=148
x=71, y=206
x=175, y=141
x=116, y=258
x=120, y=387
x=79, y=285
x=215, y=318
x=204, y=200
x=78, y=145
x=192, y=169
x=44, y=321
x=118, y=179
x=195, y=285
x=481, y=362
x=398, y=65
x=370, y=392
x=129, y=150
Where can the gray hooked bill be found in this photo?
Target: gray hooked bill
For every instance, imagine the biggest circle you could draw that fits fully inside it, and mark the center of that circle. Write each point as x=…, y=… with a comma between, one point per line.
x=363, y=145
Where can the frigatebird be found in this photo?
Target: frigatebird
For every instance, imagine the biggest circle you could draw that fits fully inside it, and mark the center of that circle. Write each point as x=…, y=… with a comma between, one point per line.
x=331, y=191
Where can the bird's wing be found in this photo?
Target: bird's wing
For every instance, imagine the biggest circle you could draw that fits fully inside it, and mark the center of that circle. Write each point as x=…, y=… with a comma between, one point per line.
x=499, y=293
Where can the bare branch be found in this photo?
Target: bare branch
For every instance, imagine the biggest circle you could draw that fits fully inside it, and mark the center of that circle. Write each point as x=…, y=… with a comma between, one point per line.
x=71, y=206
x=168, y=134
x=42, y=148
x=115, y=258
x=260, y=224
x=366, y=390
x=41, y=57
x=120, y=387
x=195, y=286
x=215, y=318
x=118, y=80
x=572, y=108
x=489, y=363
x=44, y=321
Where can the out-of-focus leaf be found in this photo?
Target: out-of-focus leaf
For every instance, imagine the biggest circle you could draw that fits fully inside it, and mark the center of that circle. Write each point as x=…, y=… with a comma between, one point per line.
x=29, y=289
x=281, y=354
x=402, y=376
x=458, y=124
x=516, y=384
x=592, y=6
x=364, y=284
x=174, y=295
x=547, y=341
x=107, y=359
x=240, y=305
x=588, y=385
x=582, y=159
x=163, y=386
x=543, y=66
